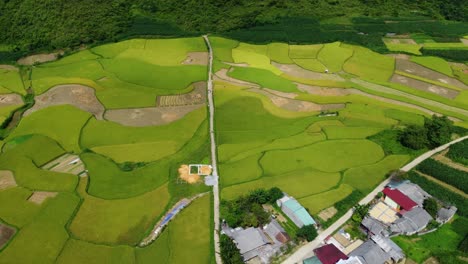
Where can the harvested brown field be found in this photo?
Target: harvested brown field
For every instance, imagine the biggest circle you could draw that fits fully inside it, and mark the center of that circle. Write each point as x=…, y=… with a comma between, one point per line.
x=296, y=105
x=150, y=116
x=6, y=233
x=7, y=180
x=464, y=41
x=8, y=67
x=296, y=71
x=402, y=41
x=419, y=70
x=400, y=56
x=39, y=58
x=327, y=213
x=10, y=99
x=184, y=174
x=424, y=86
x=40, y=197
x=80, y=96
x=196, y=96
x=222, y=75
x=317, y=90
x=325, y=91
x=196, y=58
x=431, y=260
x=67, y=163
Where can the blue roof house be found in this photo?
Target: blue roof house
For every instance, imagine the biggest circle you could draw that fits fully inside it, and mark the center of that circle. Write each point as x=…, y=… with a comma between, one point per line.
x=295, y=211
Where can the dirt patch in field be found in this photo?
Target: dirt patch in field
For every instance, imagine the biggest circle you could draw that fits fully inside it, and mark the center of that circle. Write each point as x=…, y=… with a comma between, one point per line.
x=67, y=163
x=296, y=71
x=402, y=41
x=419, y=70
x=151, y=116
x=7, y=180
x=6, y=233
x=327, y=213
x=424, y=86
x=197, y=96
x=184, y=174
x=196, y=58
x=10, y=99
x=296, y=105
x=8, y=67
x=222, y=75
x=464, y=41
x=322, y=91
x=80, y=96
x=40, y=197
x=400, y=56
x=39, y=58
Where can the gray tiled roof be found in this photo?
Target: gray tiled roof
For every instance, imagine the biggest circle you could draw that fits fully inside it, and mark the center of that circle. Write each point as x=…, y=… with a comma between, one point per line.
x=413, y=191
x=412, y=221
x=387, y=245
x=444, y=214
x=371, y=253
x=374, y=226
x=249, y=239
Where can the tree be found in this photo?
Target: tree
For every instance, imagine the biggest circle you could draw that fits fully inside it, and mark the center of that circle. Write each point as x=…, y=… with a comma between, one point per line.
x=439, y=130
x=307, y=232
x=360, y=211
x=414, y=137
x=229, y=252
x=275, y=194
x=431, y=206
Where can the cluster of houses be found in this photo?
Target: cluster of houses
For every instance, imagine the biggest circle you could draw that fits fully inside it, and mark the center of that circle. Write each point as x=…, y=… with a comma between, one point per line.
x=398, y=212
x=260, y=244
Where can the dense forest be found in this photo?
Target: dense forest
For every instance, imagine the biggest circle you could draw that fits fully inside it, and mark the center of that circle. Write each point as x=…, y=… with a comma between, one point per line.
x=38, y=25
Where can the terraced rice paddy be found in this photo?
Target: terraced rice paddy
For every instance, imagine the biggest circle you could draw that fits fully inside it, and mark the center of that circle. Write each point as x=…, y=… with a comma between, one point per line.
x=93, y=165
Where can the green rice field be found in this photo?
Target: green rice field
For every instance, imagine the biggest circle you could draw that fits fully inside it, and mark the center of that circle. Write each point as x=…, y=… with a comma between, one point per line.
x=319, y=121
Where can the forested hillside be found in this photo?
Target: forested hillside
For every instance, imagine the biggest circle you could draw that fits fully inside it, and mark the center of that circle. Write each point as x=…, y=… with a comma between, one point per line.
x=40, y=25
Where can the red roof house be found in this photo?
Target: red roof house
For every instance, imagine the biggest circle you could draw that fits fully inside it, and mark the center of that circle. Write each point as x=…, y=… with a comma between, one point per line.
x=329, y=254
x=397, y=200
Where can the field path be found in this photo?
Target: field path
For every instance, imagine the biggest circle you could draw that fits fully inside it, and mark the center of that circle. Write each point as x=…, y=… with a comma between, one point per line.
x=307, y=250
x=213, y=153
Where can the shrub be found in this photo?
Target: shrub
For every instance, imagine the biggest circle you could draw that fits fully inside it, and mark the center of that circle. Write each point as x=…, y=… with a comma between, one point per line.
x=307, y=232
x=431, y=206
x=229, y=252
x=459, y=152
x=414, y=137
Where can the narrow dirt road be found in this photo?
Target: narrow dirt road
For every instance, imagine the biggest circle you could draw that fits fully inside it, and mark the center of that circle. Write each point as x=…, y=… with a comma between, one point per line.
x=307, y=250
x=213, y=153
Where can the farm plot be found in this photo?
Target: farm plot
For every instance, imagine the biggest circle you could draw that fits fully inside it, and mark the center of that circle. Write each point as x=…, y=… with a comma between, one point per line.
x=122, y=221
x=6, y=233
x=193, y=225
x=77, y=251
x=67, y=163
x=424, y=86
x=150, y=116
x=10, y=81
x=368, y=64
x=427, y=73
x=305, y=72
x=79, y=96
x=64, y=123
x=195, y=97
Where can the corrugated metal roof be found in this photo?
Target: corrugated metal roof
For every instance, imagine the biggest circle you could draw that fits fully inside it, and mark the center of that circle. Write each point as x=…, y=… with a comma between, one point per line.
x=404, y=201
x=299, y=211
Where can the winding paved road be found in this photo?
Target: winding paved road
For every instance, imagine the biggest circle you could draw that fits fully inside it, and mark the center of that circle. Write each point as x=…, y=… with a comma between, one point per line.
x=213, y=152
x=306, y=250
